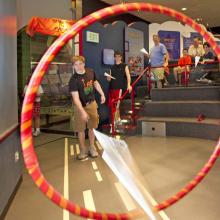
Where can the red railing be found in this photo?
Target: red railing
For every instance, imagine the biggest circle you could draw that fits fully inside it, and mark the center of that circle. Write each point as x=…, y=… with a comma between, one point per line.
x=168, y=67
x=148, y=70
x=114, y=101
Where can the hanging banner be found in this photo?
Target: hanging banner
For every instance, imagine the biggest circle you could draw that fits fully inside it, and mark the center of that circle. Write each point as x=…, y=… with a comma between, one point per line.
x=171, y=40
x=48, y=26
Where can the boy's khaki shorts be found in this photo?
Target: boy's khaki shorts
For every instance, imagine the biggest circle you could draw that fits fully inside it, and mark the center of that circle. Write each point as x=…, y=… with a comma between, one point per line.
x=79, y=125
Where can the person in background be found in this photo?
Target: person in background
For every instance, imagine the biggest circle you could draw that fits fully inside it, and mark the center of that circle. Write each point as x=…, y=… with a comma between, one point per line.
x=82, y=87
x=207, y=60
x=121, y=82
x=196, y=49
x=200, y=41
x=184, y=63
x=36, y=110
x=159, y=61
x=208, y=55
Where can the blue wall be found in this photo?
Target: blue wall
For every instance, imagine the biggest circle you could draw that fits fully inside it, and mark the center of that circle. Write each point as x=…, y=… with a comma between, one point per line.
x=111, y=36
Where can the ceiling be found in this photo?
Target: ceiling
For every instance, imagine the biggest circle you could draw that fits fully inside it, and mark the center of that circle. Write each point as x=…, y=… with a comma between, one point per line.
x=207, y=11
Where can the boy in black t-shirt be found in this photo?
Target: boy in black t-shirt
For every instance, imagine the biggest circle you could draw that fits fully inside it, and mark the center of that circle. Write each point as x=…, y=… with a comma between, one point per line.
x=81, y=87
x=122, y=81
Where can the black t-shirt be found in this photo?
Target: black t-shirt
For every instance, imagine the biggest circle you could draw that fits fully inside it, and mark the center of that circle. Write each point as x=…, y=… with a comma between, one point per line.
x=118, y=72
x=84, y=85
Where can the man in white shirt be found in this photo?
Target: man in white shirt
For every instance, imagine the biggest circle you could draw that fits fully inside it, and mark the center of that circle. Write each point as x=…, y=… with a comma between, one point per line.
x=196, y=49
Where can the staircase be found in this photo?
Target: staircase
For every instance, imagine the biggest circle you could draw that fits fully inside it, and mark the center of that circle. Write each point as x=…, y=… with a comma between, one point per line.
x=129, y=123
x=189, y=112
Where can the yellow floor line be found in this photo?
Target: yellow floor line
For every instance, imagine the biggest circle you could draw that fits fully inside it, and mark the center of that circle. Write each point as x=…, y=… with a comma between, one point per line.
x=71, y=150
x=77, y=149
x=98, y=175
x=88, y=200
x=94, y=165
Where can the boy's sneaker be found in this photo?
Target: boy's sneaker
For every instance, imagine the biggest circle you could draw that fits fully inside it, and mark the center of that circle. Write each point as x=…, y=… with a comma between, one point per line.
x=111, y=128
x=93, y=152
x=82, y=156
x=166, y=83
x=204, y=80
x=36, y=133
x=118, y=122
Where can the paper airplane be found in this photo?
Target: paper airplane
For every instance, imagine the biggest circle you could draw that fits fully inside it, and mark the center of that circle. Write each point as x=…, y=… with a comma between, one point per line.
x=116, y=154
x=144, y=51
x=106, y=74
x=197, y=58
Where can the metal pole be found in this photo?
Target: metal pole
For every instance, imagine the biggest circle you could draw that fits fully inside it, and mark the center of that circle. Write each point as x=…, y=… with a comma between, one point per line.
x=112, y=117
x=132, y=106
x=73, y=10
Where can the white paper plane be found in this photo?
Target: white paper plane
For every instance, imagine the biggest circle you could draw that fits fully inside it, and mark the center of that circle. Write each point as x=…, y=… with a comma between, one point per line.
x=106, y=74
x=116, y=155
x=144, y=51
x=197, y=58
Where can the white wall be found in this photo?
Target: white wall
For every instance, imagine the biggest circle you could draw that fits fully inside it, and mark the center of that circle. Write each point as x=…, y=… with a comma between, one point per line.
x=184, y=30
x=42, y=8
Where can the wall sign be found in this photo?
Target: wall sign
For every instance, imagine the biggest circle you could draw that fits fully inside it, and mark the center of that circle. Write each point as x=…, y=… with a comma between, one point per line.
x=92, y=37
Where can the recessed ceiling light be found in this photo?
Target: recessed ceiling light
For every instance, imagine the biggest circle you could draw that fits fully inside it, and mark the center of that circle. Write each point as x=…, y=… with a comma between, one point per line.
x=183, y=9
x=198, y=19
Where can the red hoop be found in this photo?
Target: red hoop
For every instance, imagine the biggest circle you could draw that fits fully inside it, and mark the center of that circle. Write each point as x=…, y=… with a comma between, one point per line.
x=30, y=157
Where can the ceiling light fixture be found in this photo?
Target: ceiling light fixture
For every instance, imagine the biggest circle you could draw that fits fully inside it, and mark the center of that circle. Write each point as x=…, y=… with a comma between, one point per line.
x=183, y=9
x=198, y=20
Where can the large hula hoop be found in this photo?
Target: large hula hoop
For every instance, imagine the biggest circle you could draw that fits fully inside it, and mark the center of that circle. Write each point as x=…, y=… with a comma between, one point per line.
x=29, y=154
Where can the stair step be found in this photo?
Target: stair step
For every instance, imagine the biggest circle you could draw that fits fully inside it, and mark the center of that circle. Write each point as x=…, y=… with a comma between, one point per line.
x=138, y=101
x=182, y=127
x=211, y=109
x=183, y=102
x=182, y=119
x=186, y=93
x=141, y=91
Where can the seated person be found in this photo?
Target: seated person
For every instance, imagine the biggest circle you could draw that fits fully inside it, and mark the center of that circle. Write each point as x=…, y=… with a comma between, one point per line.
x=207, y=59
x=184, y=63
x=196, y=49
x=208, y=56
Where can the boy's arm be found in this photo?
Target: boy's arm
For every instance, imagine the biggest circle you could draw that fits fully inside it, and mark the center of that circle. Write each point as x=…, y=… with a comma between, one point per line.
x=128, y=75
x=99, y=89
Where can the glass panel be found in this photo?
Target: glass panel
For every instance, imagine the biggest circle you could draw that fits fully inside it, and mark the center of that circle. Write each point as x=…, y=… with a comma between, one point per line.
x=56, y=103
